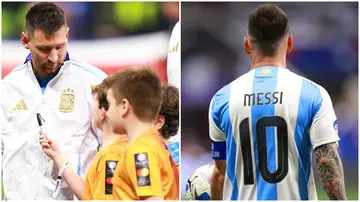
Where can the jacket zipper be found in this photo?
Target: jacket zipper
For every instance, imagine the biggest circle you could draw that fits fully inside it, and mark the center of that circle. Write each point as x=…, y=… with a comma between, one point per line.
x=43, y=110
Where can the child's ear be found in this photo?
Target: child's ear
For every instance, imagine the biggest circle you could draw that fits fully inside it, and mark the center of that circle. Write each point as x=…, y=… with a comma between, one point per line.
x=159, y=122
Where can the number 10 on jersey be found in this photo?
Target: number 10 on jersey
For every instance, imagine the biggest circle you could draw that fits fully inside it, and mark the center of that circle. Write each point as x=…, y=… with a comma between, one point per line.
x=282, y=148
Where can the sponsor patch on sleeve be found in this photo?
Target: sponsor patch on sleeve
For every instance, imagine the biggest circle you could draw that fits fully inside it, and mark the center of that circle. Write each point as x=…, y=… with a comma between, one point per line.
x=142, y=169
x=109, y=174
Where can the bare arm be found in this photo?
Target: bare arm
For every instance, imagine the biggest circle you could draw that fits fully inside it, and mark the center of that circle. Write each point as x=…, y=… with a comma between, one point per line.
x=330, y=171
x=217, y=180
x=51, y=149
x=75, y=182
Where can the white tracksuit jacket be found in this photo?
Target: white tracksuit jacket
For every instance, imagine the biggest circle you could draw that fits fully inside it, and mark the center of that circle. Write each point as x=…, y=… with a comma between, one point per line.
x=66, y=108
x=174, y=66
x=173, y=60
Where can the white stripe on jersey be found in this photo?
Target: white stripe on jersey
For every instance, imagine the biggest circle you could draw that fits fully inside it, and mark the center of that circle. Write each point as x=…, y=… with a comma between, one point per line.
x=241, y=86
x=289, y=110
x=229, y=187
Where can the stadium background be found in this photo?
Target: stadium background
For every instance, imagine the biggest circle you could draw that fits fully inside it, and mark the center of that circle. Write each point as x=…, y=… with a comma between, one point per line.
x=110, y=36
x=325, y=51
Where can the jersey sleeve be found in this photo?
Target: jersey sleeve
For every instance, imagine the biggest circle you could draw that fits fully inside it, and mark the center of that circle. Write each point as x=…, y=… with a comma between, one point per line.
x=143, y=168
x=218, y=123
x=106, y=169
x=324, y=128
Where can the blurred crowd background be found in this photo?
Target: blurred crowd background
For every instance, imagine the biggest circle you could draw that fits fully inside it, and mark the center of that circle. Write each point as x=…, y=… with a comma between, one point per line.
x=98, y=20
x=113, y=34
x=325, y=51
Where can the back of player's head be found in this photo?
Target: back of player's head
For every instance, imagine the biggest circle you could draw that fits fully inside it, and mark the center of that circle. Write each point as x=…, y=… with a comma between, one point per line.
x=141, y=87
x=267, y=25
x=170, y=111
x=100, y=92
x=45, y=16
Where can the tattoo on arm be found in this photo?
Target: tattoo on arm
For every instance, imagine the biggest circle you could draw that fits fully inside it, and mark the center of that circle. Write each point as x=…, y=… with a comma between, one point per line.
x=330, y=171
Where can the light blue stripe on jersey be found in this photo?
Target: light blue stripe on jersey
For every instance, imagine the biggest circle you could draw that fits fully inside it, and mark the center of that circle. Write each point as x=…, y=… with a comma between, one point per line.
x=88, y=68
x=19, y=68
x=79, y=166
x=265, y=80
x=309, y=104
x=174, y=150
x=221, y=117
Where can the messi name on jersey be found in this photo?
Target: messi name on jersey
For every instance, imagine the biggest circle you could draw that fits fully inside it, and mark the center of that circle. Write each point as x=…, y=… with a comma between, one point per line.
x=263, y=98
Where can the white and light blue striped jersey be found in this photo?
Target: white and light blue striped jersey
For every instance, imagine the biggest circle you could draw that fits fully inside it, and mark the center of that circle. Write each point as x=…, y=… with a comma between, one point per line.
x=266, y=124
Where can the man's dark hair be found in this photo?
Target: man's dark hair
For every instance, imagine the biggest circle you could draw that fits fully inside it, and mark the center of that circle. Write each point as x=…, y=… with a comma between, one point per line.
x=45, y=16
x=268, y=24
x=170, y=111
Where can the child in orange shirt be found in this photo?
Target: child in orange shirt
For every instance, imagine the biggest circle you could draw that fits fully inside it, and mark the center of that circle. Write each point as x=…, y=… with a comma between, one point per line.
x=98, y=182
x=147, y=170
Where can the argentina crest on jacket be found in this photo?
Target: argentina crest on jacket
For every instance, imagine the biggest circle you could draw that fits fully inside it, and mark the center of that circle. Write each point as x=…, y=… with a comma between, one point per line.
x=67, y=100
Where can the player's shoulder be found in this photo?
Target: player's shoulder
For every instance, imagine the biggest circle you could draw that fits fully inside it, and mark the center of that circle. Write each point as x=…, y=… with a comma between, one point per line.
x=176, y=28
x=114, y=150
x=313, y=89
x=239, y=82
x=86, y=69
x=222, y=96
x=16, y=74
x=140, y=148
x=106, y=156
x=220, y=99
x=309, y=89
x=114, y=155
x=117, y=148
x=146, y=143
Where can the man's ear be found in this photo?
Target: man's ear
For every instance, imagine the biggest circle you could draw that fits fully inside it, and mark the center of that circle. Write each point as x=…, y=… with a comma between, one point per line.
x=290, y=44
x=67, y=32
x=247, y=46
x=25, y=40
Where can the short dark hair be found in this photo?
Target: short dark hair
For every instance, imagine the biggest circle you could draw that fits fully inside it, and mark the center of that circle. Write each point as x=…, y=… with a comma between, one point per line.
x=170, y=111
x=45, y=16
x=268, y=24
x=141, y=86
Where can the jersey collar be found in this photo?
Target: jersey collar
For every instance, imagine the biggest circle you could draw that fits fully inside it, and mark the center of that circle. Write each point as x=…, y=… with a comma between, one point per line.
x=29, y=58
x=43, y=82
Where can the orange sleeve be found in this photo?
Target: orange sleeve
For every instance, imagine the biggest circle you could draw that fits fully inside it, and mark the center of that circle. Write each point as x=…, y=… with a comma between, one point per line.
x=106, y=168
x=87, y=194
x=143, y=168
x=88, y=185
x=116, y=193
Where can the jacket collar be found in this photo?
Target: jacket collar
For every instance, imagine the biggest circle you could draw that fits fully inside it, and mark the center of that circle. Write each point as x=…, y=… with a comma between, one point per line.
x=28, y=58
